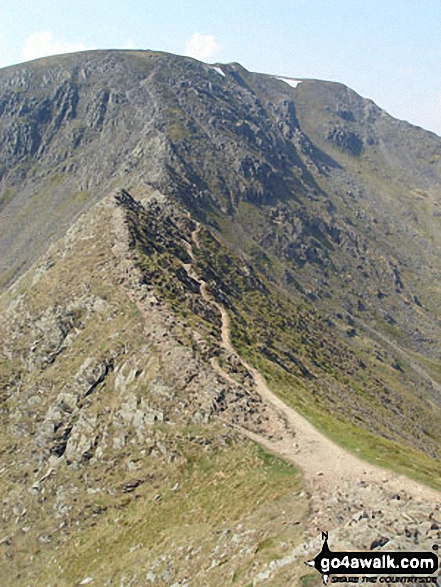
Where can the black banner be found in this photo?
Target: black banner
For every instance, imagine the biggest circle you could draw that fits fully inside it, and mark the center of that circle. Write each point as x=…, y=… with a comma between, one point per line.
x=378, y=563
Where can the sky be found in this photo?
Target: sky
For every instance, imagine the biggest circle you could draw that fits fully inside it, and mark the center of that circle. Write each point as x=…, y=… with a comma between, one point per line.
x=386, y=50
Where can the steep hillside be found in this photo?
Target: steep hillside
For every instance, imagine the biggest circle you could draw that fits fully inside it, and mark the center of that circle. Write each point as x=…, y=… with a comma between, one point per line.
x=197, y=263
x=116, y=458
x=131, y=429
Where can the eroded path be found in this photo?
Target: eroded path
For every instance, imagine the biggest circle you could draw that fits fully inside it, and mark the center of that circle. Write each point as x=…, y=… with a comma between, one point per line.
x=324, y=464
x=359, y=504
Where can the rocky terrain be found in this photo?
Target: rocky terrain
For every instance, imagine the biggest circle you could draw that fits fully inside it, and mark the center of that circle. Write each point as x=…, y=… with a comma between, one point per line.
x=219, y=318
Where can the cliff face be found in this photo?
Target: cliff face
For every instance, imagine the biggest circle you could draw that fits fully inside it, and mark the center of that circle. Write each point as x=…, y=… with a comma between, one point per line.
x=315, y=176
x=82, y=119
x=178, y=243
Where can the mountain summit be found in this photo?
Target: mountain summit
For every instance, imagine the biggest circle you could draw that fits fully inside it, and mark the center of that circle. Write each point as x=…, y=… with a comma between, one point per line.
x=220, y=323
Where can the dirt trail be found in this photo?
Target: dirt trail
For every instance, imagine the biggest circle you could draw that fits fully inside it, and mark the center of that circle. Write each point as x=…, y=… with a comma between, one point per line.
x=324, y=464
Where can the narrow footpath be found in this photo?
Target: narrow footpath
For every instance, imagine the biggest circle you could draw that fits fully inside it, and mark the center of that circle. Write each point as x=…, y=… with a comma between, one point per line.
x=323, y=463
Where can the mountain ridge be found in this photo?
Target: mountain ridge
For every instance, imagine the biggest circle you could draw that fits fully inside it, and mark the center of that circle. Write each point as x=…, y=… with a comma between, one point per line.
x=92, y=123
x=187, y=258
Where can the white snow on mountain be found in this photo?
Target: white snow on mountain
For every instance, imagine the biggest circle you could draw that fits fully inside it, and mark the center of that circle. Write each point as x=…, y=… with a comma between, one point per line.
x=291, y=82
x=219, y=70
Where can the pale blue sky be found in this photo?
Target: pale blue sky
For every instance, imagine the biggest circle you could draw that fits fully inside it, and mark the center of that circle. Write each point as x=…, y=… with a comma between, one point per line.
x=387, y=50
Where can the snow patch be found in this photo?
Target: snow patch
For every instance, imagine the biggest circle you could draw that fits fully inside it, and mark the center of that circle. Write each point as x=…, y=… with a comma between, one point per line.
x=290, y=81
x=219, y=70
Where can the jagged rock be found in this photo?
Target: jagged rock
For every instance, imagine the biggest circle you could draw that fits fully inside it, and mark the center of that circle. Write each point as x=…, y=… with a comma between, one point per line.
x=81, y=441
x=379, y=542
x=115, y=363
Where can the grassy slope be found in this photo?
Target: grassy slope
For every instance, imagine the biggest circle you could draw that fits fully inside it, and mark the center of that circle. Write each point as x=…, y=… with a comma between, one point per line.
x=312, y=365
x=212, y=507
x=160, y=529
x=268, y=327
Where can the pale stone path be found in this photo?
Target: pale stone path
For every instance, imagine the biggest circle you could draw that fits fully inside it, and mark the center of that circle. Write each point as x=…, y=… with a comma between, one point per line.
x=324, y=464
x=353, y=500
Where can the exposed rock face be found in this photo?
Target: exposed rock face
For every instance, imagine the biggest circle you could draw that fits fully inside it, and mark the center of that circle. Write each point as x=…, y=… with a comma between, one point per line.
x=136, y=396
x=232, y=227
x=103, y=119
x=109, y=119
x=346, y=141
x=114, y=397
